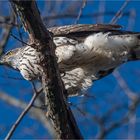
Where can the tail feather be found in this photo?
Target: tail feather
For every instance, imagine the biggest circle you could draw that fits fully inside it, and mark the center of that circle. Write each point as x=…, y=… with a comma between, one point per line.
x=135, y=51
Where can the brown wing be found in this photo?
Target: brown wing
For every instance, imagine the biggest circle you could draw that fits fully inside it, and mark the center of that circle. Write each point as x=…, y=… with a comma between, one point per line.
x=82, y=28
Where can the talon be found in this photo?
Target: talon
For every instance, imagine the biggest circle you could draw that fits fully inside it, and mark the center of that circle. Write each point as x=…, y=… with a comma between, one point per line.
x=63, y=73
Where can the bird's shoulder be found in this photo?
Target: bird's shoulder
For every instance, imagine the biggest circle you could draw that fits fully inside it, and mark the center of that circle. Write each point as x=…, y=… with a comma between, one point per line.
x=73, y=34
x=82, y=28
x=80, y=31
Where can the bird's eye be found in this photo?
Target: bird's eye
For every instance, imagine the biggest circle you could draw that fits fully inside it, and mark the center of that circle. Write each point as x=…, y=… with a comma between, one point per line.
x=9, y=53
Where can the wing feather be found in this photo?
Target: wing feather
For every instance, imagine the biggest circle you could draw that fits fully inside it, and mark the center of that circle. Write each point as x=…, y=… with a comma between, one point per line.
x=82, y=28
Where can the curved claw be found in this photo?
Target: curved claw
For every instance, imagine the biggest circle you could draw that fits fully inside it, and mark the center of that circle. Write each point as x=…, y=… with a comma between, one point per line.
x=63, y=73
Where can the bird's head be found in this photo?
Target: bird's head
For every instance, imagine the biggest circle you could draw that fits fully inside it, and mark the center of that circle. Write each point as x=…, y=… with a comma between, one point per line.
x=10, y=58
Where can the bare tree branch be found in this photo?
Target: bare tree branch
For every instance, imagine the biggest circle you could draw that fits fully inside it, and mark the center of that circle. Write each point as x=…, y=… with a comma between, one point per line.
x=9, y=20
x=35, y=113
x=92, y=15
x=124, y=86
x=129, y=115
x=58, y=110
x=19, y=39
x=119, y=13
x=80, y=11
x=10, y=133
x=124, y=120
x=101, y=10
x=131, y=19
x=6, y=30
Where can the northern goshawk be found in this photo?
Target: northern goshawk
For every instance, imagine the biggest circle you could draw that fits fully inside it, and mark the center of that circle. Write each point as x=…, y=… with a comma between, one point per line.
x=85, y=53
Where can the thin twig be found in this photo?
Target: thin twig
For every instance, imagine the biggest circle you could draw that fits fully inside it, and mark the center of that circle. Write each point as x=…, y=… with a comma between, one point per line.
x=92, y=15
x=6, y=33
x=80, y=12
x=19, y=40
x=33, y=112
x=8, y=20
x=131, y=19
x=78, y=109
x=25, y=111
x=101, y=10
x=119, y=13
x=132, y=109
x=20, y=36
x=131, y=95
x=9, y=23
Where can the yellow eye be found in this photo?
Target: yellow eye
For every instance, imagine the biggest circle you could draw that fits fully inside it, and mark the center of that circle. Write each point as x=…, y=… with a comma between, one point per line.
x=9, y=53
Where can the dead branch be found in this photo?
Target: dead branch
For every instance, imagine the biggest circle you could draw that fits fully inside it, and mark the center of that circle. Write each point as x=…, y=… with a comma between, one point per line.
x=101, y=10
x=119, y=13
x=80, y=11
x=58, y=110
x=7, y=23
x=92, y=15
x=124, y=86
x=131, y=19
x=135, y=101
x=19, y=119
x=34, y=113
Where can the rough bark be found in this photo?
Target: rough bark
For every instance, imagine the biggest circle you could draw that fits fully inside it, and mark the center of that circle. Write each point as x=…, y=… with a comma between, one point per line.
x=57, y=110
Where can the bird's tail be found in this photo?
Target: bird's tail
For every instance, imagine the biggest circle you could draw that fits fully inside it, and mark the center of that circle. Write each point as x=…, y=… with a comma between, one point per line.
x=135, y=50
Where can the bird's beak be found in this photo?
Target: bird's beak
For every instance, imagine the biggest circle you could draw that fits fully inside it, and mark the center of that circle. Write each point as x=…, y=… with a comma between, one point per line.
x=4, y=60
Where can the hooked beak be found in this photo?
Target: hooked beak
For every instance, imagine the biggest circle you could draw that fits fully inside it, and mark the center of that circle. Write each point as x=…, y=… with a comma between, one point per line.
x=4, y=60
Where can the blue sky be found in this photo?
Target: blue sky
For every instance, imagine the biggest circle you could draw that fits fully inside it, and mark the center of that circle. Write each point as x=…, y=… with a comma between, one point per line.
x=107, y=91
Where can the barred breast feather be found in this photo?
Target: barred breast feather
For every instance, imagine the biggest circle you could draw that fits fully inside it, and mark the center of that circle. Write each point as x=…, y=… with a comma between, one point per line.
x=29, y=63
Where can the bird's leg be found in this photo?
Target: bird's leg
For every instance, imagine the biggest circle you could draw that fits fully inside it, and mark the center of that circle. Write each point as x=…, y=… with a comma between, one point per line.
x=63, y=73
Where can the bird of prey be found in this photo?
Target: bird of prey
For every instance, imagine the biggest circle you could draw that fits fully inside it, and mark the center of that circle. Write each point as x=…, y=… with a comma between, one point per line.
x=85, y=52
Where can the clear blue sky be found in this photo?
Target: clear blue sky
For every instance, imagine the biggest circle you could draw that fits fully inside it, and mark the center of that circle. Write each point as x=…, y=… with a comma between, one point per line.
x=107, y=91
